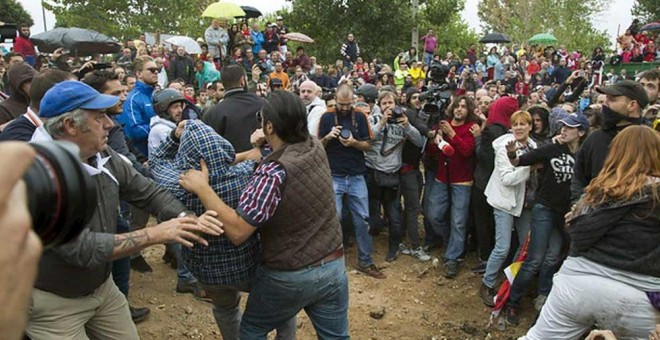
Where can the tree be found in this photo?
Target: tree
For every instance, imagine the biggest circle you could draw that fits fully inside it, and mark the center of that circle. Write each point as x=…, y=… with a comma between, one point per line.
x=381, y=27
x=125, y=19
x=14, y=13
x=568, y=20
x=647, y=10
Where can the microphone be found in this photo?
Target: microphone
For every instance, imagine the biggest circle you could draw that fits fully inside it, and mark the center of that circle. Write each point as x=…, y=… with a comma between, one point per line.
x=446, y=148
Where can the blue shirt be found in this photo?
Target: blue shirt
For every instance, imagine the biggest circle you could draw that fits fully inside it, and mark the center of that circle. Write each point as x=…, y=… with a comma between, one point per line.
x=345, y=160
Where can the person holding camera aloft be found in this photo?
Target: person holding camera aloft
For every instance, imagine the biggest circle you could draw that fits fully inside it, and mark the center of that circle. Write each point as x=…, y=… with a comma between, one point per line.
x=454, y=147
x=346, y=135
x=390, y=129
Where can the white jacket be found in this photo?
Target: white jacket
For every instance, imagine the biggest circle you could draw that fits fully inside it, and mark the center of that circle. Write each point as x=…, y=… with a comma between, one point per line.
x=506, y=186
x=315, y=110
x=160, y=129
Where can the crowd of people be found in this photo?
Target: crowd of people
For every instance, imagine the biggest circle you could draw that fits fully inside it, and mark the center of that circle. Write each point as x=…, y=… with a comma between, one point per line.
x=263, y=167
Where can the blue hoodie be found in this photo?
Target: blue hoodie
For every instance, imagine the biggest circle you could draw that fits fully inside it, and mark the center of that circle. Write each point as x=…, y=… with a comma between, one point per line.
x=138, y=110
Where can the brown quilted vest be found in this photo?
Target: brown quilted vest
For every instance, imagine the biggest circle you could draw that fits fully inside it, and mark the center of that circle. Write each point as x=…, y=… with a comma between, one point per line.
x=305, y=227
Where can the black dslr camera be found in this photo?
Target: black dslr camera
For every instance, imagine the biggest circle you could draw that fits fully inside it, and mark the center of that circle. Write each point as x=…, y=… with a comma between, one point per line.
x=263, y=66
x=61, y=194
x=397, y=112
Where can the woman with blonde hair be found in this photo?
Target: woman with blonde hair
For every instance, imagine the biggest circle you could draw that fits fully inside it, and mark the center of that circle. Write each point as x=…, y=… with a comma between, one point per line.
x=612, y=275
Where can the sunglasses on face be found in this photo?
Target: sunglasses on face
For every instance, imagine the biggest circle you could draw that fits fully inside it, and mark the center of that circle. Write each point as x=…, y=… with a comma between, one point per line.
x=152, y=69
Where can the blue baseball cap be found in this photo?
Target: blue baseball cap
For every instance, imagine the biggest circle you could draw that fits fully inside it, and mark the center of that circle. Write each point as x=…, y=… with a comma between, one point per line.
x=70, y=95
x=576, y=121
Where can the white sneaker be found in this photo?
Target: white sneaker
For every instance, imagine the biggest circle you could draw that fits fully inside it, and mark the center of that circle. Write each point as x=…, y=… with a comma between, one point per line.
x=420, y=254
x=404, y=250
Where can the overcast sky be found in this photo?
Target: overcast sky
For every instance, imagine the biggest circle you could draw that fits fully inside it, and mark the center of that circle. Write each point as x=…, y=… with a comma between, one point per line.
x=617, y=14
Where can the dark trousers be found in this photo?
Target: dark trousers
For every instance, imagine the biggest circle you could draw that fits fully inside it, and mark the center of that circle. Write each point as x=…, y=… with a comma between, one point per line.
x=121, y=268
x=484, y=223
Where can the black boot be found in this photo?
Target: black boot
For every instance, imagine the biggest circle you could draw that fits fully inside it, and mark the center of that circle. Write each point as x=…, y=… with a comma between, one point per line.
x=139, y=314
x=140, y=265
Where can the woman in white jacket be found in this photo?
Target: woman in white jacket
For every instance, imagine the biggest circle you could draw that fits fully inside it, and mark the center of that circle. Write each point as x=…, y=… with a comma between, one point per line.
x=506, y=193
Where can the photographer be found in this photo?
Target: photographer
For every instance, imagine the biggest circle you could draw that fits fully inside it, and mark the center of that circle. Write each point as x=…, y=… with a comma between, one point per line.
x=74, y=293
x=453, y=180
x=390, y=129
x=346, y=136
x=20, y=255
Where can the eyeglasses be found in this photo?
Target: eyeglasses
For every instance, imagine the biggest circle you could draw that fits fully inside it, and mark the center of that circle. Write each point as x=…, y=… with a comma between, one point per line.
x=153, y=69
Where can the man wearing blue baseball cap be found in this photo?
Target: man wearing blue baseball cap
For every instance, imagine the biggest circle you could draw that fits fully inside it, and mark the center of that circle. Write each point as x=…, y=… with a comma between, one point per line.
x=74, y=295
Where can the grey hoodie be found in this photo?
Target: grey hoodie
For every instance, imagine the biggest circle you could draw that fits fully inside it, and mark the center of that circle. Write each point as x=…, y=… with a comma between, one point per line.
x=395, y=136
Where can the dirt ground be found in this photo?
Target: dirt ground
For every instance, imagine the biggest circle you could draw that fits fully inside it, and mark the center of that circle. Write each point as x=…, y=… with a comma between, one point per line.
x=418, y=303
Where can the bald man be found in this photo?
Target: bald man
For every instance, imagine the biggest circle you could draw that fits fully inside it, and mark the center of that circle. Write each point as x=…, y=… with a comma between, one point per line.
x=315, y=106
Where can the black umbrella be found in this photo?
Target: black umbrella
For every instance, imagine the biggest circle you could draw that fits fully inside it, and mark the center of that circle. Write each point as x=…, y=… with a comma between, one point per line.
x=495, y=38
x=250, y=12
x=80, y=41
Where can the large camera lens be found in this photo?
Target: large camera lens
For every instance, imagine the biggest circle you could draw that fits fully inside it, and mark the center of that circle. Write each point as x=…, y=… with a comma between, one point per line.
x=61, y=194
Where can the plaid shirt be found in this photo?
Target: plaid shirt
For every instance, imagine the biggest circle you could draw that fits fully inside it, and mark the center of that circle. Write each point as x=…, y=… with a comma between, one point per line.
x=263, y=194
x=222, y=262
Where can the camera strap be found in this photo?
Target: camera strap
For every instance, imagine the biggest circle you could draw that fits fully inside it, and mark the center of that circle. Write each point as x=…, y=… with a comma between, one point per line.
x=389, y=151
x=353, y=120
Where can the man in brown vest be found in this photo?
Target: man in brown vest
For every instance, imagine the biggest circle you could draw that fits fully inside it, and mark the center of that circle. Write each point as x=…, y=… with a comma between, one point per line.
x=290, y=201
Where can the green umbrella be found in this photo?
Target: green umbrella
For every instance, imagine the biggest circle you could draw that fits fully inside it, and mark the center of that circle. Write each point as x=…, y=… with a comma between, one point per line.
x=543, y=39
x=223, y=10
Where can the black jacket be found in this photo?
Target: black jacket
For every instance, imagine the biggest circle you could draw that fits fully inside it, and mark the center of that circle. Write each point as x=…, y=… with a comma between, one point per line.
x=234, y=118
x=619, y=234
x=486, y=154
x=182, y=67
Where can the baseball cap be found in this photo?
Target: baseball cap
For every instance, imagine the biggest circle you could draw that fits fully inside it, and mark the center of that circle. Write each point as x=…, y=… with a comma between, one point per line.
x=70, y=95
x=276, y=82
x=627, y=88
x=279, y=17
x=576, y=120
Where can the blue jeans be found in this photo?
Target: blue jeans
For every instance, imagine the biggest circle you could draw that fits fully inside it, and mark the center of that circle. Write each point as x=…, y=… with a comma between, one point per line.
x=452, y=233
x=430, y=237
x=226, y=300
x=277, y=296
x=183, y=274
x=354, y=190
x=504, y=223
x=428, y=57
x=542, y=254
x=121, y=268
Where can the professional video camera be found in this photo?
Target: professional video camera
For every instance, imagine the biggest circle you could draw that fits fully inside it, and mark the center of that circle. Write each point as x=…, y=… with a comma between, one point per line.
x=8, y=32
x=437, y=96
x=61, y=194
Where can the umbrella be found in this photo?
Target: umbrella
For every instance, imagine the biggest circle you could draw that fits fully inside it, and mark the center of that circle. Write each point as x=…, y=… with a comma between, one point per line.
x=79, y=41
x=190, y=45
x=223, y=10
x=300, y=37
x=502, y=295
x=543, y=39
x=654, y=26
x=250, y=12
x=495, y=38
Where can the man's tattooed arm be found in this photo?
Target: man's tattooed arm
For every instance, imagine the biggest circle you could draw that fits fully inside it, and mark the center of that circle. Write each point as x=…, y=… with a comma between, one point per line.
x=130, y=243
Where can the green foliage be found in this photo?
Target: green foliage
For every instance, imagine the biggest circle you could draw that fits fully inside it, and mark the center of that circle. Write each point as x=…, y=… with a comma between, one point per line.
x=647, y=10
x=568, y=20
x=126, y=19
x=382, y=28
x=14, y=13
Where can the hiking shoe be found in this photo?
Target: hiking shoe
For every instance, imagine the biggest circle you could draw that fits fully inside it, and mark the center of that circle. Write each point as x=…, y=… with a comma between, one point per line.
x=480, y=269
x=139, y=314
x=420, y=254
x=404, y=250
x=193, y=287
x=511, y=316
x=539, y=302
x=451, y=269
x=392, y=255
x=487, y=295
x=371, y=270
x=140, y=265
